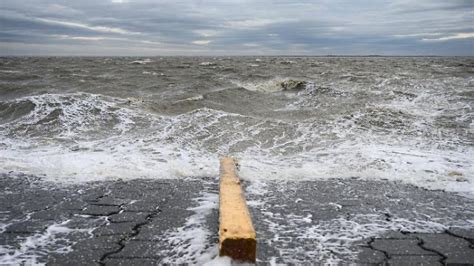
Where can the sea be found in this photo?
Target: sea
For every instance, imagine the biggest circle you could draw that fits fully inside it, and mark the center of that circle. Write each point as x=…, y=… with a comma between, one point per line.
x=79, y=119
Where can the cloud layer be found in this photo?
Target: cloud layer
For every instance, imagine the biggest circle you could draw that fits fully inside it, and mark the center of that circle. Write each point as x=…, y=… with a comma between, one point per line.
x=277, y=27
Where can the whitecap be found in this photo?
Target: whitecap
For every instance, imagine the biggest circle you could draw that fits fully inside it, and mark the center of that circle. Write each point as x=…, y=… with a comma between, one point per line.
x=142, y=62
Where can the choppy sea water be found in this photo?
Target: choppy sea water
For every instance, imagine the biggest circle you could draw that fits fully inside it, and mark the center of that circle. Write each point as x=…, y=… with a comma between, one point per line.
x=81, y=119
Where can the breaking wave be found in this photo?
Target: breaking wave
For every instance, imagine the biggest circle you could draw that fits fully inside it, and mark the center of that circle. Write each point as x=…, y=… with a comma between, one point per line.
x=275, y=85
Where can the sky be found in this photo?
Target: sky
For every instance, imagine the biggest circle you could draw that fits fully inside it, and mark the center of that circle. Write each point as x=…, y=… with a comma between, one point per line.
x=231, y=27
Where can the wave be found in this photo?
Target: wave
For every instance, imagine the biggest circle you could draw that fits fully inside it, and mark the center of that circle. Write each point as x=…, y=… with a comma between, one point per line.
x=17, y=76
x=65, y=115
x=191, y=99
x=10, y=111
x=230, y=100
x=142, y=62
x=207, y=63
x=275, y=85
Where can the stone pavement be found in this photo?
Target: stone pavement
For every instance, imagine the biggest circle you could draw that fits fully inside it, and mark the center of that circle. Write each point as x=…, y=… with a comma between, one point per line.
x=111, y=223
x=149, y=222
x=366, y=222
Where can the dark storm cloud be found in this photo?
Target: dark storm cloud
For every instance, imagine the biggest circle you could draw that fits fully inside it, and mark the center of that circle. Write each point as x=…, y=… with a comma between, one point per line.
x=146, y=27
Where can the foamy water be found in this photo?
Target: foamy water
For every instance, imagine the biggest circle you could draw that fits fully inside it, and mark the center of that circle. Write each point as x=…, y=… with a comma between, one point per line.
x=54, y=239
x=192, y=242
x=406, y=119
x=345, y=118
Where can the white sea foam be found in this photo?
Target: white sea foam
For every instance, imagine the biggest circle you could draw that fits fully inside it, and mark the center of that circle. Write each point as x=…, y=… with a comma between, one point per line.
x=72, y=153
x=58, y=164
x=69, y=115
x=337, y=236
x=9, y=71
x=191, y=99
x=425, y=168
x=220, y=261
x=52, y=240
x=142, y=62
x=207, y=63
x=150, y=73
x=299, y=238
x=100, y=138
x=191, y=243
x=269, y=86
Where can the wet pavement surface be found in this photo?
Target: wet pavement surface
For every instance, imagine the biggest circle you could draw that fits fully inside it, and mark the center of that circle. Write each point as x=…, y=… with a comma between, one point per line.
x=121, y=222
x=365, y=222
x=147, y=222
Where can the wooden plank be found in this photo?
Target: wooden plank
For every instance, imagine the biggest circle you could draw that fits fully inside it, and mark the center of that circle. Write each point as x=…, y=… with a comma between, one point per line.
x=237, y=237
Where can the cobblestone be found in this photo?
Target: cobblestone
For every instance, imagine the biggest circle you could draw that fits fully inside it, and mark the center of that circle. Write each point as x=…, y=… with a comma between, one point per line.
x=332, y=221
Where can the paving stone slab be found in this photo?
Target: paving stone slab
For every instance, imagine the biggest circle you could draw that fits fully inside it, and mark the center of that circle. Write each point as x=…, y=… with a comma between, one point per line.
x=27, y=227
x=143, y=205
x=400, y=247
x=456, y=249
x=414, y=260
x=463, y=232
x=88, y=251
x=81, y=221
x=398, y=235
x=115, y=229
x=73, y=205
x=140, y=249
x=95, y=210
x=110, y=242
x=49, y=215
x=110, y=201
x=150, y=233
x=164, y=221
x=91, y=257
x=137, y=217
x=370, y=256
x=130, y=262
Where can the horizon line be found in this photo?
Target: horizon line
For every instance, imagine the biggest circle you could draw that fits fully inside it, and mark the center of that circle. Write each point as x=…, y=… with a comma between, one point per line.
x=245, y=55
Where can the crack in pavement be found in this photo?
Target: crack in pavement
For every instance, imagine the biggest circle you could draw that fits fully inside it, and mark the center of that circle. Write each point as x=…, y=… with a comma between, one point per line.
x=135, y=232
x=385, y=253
x=421, y=243
x=469, y=240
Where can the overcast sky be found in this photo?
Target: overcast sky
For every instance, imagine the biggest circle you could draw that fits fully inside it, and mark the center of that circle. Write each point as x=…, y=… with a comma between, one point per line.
x=232, y=27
